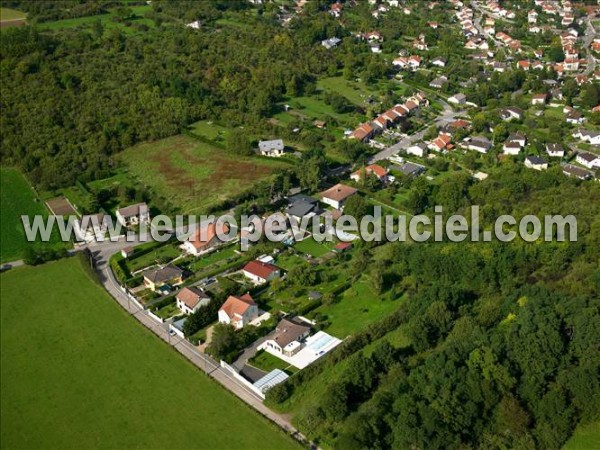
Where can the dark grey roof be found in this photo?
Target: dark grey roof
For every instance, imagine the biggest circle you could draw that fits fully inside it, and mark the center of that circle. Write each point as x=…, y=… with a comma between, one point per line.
x=163, y=275
x=408, y=168
x=536, y=160
x=300, y=209
x=301, y=198
x=578, y=172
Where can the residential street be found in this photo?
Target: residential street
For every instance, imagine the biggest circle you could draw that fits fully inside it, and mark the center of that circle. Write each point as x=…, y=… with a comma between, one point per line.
x=590, y=33
x=102, y=253
x=447, y=115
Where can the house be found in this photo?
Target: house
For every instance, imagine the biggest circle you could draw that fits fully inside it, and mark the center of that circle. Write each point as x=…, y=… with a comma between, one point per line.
x=539, y=99
x=440, y=143
x=419, y=149
x=574, y=117
x=439, y=82
x=127, y=252
x=90, y=227
x=511, y=113
x=593, y=137
x=523, y=64
x=573, y=171
x=190, y=299
x=195, y=25
x=341, y=247
x=453, y=127
x=337, y=195
x=439, y=61
x=273, y=147
x=375, y=47
x=302, y=208
x=409, y=169
x=260, y=272
x=589, y=160
x=555, y=150
x=519, y=138
x=167, y=275
x=288, y=337
x=205, y=238
x=238, y=311
x=479, y=144
x=458, y=99
x=336, y=10
x=331, y=43
x=363, y=133
x=373, y=169
x=133, y=214
x=511, y=148
x=535, y=162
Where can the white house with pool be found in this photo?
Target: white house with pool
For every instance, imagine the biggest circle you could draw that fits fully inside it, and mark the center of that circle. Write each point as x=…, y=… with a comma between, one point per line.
x=305, y=352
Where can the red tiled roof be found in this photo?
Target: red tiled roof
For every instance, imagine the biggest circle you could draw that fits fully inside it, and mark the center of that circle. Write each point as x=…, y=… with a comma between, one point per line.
x=203, y=236
x=191, y=296
x=260, y=269
x=237, y=305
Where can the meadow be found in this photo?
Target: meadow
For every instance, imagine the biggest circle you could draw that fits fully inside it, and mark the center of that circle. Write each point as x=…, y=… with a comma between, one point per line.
x=11, y=14
x=194, y=175
x=78, y=372
x=106, y=20
x=17, y=198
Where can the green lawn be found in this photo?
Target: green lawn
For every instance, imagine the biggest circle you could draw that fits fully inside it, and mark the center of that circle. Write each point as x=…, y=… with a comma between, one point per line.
x=78, y=372
x=169, y=310
x=313, y=248
x=586, y=437
x=357, y=307
x=214, y=257
x=17, y=199
x=169, y=251
x=11, y=14
x=105, y=19
x=209, y=130
x=193, y=175
x=267, y=362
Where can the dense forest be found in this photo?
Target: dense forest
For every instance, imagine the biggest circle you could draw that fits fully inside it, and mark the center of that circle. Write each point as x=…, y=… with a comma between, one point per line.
x=504, y=338
x=72, y=99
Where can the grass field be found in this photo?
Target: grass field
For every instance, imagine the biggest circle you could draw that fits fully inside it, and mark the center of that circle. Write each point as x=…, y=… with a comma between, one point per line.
x=193, y=175
x=586, y=437
x=267, y=362
x=11, y=14
x=313, y=248
x=358, y=307
x=105, y=19
x=17, y=198
x=78, y=372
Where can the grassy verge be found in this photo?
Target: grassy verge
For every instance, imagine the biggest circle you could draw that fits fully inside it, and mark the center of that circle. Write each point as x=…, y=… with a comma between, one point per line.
x=82, y=373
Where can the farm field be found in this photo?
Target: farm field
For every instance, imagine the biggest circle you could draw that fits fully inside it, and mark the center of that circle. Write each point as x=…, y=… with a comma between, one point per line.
x=88, y=376
x=193, y=175
x=17, y=198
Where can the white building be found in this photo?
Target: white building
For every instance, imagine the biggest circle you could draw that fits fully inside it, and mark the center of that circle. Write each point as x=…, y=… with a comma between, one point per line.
x=133, y=214
x=238, y=311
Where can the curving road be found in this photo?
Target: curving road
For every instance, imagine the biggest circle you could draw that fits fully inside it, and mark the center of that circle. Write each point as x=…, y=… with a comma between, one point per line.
x=102, y=253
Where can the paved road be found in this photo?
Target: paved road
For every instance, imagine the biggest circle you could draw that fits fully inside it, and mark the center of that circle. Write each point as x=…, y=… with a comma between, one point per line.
x=448, y=115
x=10, y=265
x=102, y=253
x=590, y=34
